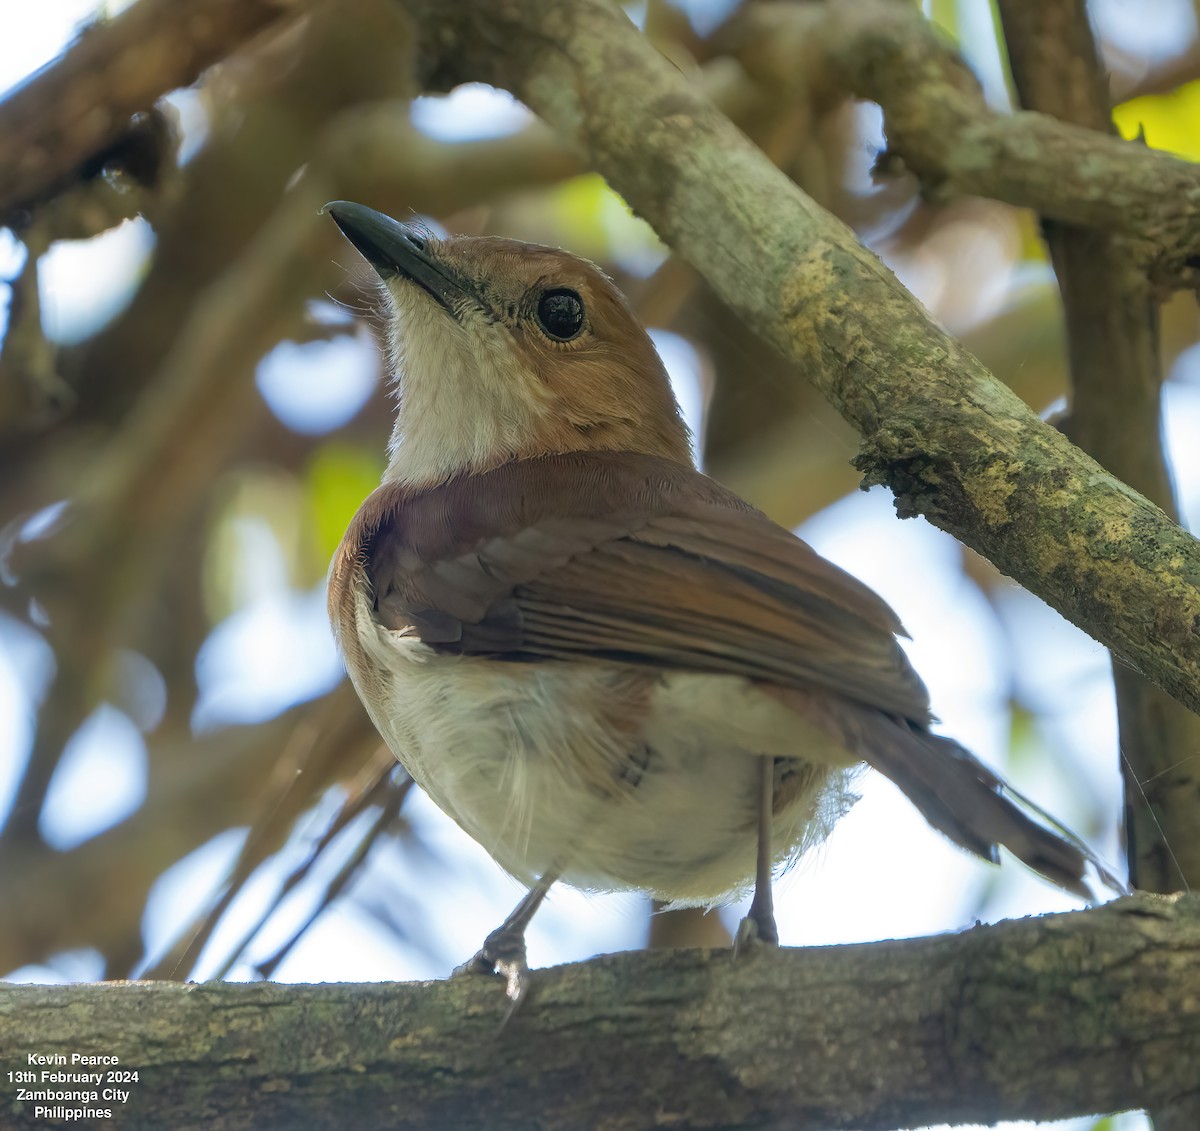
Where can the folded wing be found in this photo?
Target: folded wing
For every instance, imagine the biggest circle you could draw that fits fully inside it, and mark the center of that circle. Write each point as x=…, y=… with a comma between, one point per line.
x=639, y=560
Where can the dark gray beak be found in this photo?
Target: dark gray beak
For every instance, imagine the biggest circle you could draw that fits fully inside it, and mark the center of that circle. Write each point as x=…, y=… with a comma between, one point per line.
x=394, y=249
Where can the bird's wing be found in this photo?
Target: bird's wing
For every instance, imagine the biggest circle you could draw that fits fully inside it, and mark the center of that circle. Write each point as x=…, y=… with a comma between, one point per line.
x=629, y=558
x=640, y=560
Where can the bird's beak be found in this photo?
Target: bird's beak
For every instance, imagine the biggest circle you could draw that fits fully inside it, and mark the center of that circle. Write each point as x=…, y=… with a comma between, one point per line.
x=396, y=250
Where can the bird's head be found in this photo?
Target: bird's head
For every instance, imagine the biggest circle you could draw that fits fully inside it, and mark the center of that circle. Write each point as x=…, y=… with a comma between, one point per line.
x=507, y=350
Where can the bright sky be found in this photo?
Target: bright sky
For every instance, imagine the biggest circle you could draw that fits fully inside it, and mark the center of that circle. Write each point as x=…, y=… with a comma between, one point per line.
x=883, y=873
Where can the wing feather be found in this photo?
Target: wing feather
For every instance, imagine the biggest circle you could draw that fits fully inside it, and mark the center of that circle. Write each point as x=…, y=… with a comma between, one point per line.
x=596, y=555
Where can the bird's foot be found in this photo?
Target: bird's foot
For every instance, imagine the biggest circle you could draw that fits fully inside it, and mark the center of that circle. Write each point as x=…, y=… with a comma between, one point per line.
x=503, y=954
x=757, y=929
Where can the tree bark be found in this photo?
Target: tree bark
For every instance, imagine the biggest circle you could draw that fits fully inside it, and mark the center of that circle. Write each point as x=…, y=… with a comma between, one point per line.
x=1051, y=1017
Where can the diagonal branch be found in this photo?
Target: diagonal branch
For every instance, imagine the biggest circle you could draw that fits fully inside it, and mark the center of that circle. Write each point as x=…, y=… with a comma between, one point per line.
x=82, y=103
x=941, y=128
x=1063, y=1015
x=952, y=442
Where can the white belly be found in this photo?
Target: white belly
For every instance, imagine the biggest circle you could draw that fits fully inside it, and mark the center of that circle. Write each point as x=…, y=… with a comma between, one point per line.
x=539, y=763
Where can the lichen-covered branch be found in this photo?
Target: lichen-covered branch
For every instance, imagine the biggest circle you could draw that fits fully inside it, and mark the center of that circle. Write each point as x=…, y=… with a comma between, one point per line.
x=940, y=127
x=1064, y=1015
x=952, y=442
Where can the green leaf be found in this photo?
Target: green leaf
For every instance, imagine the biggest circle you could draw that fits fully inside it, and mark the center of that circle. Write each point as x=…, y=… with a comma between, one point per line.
x=1170, y=122
x=340, y=476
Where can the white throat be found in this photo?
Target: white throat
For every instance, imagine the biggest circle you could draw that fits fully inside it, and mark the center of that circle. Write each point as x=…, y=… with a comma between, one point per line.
x=465, y=399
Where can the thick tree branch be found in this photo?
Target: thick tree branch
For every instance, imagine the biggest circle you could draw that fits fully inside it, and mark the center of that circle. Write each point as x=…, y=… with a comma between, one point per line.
x=951, y=441
x=939, y=125
x=1063, y=1015
x=81, y=104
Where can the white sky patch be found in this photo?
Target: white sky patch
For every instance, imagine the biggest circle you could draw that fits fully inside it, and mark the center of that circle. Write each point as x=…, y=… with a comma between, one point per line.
x=29, y=41
x=917, y=570
x=26, y=666
x=683, y=367
x=139, y=689
x=470, y=112
x=1123, y=1121
x=100, y=780
x=636, y=11
x=883, y=842
x=245, y=913
x=42, y=523
x=186, y=888
x=82, y=965
x=364, y=946
x=12, y=256
x=264, y=658
x=473, y=896
x=906, y=879
x=977, y=42
x=1157, y=29
x=16, y=731
x=1181, y=426
x=1052, y=659
x=341, y=935
x=868, y=127
x=1086, y=1124
x=315, y=387
x=706, y=16
x=84, y=283
x=192, y=117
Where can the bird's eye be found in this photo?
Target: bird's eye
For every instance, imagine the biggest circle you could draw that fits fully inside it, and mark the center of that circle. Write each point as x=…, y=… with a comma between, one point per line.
x=560, y=314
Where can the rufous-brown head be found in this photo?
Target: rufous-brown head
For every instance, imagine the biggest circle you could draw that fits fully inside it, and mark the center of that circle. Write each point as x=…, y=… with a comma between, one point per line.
x=507, y=350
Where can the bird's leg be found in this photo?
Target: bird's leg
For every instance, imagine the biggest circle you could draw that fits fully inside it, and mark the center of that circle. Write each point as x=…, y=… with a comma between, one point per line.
x=759, y=924
x=503, y=951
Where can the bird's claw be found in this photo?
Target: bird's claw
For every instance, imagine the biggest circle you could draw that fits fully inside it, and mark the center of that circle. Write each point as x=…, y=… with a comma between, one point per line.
x=502, y=955
x=752, y=932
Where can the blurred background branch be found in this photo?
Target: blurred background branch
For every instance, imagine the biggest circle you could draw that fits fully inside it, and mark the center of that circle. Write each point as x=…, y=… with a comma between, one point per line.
x=939, y=125
x=76, y=116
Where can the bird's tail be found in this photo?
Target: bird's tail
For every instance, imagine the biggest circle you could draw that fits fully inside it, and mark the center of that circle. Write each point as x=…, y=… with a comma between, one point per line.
x=958, y=795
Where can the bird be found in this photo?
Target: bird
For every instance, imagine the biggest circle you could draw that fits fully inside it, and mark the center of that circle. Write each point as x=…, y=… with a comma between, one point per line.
x=604, y=666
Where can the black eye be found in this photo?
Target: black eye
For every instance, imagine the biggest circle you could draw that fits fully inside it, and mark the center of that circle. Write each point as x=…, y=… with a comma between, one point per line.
x=560, y=314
